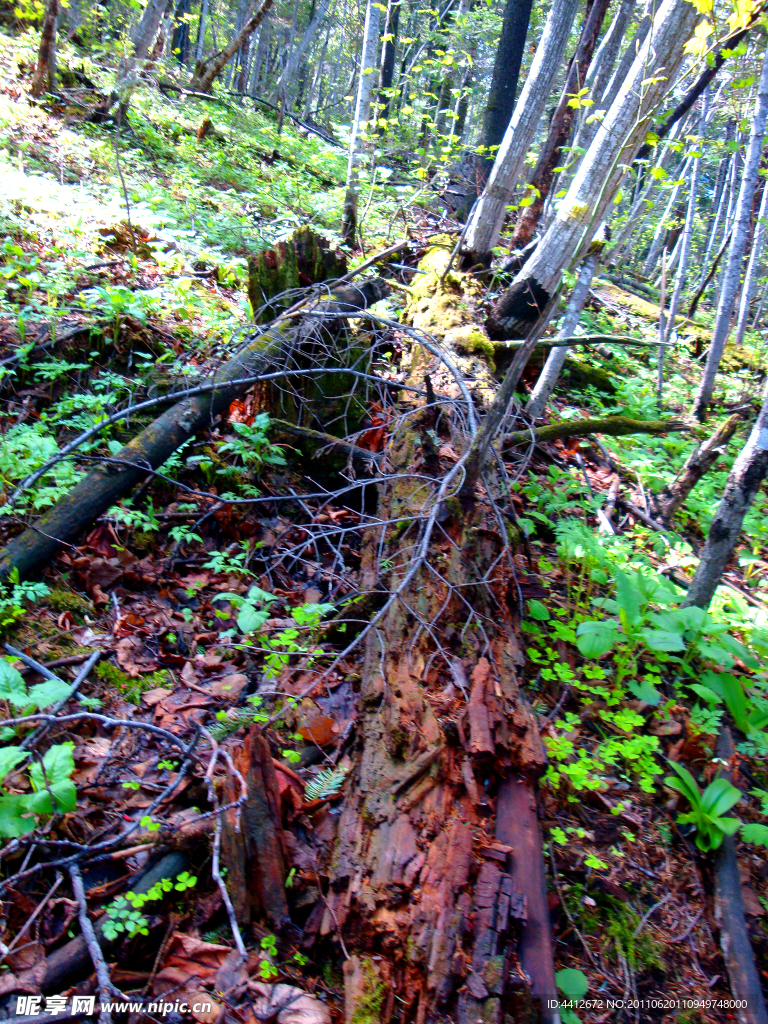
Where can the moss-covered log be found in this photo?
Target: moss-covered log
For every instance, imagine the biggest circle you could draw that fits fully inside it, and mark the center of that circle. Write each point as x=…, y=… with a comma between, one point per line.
x=106, y=484
x=613, y=426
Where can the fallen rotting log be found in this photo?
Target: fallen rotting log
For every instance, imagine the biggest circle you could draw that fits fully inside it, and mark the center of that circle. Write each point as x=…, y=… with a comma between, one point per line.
x=701, y=459
x=613, y=426
x=442, y=723
x=270, y=351
x=729, y=912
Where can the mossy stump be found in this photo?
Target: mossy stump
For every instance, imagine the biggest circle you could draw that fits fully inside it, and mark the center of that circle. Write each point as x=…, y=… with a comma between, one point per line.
x=296, y=262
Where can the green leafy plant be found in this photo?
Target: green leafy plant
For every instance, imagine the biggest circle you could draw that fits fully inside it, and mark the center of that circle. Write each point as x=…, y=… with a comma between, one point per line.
x=51, y=788
x=708, y=809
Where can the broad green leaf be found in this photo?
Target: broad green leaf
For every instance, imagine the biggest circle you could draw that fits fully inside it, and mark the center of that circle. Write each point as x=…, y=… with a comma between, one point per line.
x=538, y=611
x=249, y=619
x=9, y=758
x=594, y=638
x=628, y=596
x=572, y=983
x=645, y=692
x=12, y=686
x=706, y=693
x=685, y=784
x=662, y=639
x=12, y=824
x=58, y=763
x=719, y=797
x=50, y=692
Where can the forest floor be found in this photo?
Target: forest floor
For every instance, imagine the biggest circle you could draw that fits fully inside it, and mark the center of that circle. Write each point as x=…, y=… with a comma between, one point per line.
x=163, y=584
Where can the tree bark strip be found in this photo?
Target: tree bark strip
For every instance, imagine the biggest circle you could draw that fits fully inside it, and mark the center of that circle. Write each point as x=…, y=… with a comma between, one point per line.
x=208, y=71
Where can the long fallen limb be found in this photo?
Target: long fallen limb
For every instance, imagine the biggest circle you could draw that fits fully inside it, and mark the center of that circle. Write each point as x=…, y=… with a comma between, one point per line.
x=729, y=912
x=106, y=484
x=671, y=497
x=613, y=426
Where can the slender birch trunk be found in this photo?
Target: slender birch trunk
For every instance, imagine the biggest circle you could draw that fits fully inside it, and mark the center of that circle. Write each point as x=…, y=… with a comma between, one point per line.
x=627, y=59
x=599, y=176
x=732, y=274
x=632, y=224
x=753, y=270
x=748, y=472
x=719, y=201
x=201, y=32
x=44, y=78
x=388, y=51
x=553, y=367
x=660, y=234
x=488, y=215
x=362, y=115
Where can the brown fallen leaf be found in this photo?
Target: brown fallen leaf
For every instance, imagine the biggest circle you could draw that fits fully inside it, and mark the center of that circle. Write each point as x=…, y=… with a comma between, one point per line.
x=287, y=1004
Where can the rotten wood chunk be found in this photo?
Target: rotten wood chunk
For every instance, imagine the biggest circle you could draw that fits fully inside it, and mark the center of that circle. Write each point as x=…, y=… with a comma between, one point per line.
x=497, y=906
x=256, y=855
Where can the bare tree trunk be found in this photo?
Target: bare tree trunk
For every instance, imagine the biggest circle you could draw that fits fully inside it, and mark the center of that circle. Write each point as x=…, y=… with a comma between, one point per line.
x=634, y=46
x=719, y=202
x=362, y=115
x=660, y=234
x=287, y=77
x=560, y=125
x=44, y=78
x=687, y=235
x=553, y=367
x=633, y=225
x=732, y=275
x=506, y=72
x=201, y=31
x=600, y=173
x=753, y=271
x=262, y=51
x=142, y=37
x=388, y=49
x=208, y=71
x=488, y=215
x=744, y=480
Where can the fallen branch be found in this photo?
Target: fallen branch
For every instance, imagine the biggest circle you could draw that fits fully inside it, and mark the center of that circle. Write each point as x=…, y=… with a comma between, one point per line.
x=613, y=426
x=105, y=485
x=729, y=912
x=92, y=944
x=671, y=497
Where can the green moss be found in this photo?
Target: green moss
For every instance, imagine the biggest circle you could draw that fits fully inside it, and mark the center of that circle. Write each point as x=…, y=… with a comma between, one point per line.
x=368, y=1010
x=472, y=339
x=61, y=599
x=643, y=952
x=129, y=687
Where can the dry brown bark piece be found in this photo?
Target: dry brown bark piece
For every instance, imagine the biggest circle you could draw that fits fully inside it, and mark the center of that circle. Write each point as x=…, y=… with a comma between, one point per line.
x=256, y=856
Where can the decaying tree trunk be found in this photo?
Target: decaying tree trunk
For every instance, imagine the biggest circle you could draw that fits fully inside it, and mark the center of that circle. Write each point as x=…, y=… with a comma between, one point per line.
x=255, y=853
x=670, y=498
x=106, y=484
x=429, y=908
x=303, y=259
x=44, y=77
